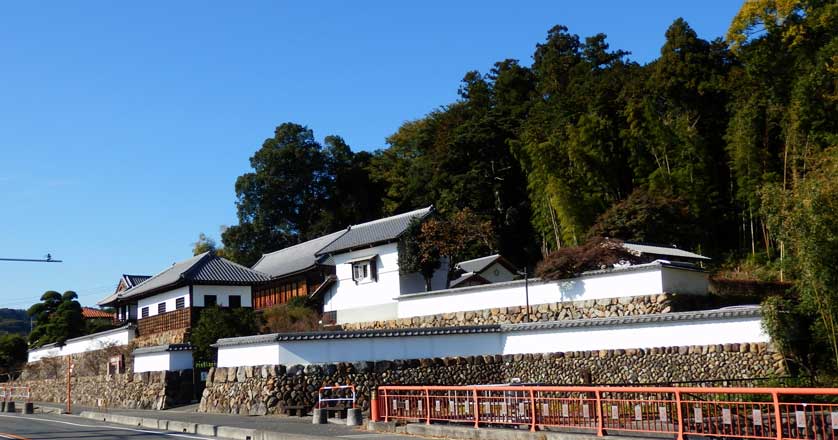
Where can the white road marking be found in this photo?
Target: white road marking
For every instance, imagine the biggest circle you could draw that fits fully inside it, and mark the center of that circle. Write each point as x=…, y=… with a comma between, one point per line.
x=108, y=427
x=362, y=436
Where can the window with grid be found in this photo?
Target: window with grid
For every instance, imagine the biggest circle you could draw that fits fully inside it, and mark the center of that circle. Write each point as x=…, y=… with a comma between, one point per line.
x=235, y=301
x=161, y=308
x=210, y=300
x=145, y=312
x=180, y=303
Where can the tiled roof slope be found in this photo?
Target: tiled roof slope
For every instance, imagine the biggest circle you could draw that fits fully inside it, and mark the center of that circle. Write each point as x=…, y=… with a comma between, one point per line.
x=206, y=268
x=91, y=313
x=663, y=251
x=376, y=231
x=478, y=264
x=295, y=258
x=133, y=280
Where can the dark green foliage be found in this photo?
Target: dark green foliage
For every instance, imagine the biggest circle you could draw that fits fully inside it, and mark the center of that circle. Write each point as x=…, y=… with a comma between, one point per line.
x=649, y=218
x=13, y=353
x=57, y=318
x=298, y=190
x=14, y=321
x=410, y=255
x=215, y=323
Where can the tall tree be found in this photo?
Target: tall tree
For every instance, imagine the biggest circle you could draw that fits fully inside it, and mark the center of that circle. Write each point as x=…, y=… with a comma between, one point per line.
x=292, y=194
x=57, y=317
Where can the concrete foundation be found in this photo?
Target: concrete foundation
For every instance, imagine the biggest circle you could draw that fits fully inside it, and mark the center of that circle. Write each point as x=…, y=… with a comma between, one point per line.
x=319, y=416
x=354, y=417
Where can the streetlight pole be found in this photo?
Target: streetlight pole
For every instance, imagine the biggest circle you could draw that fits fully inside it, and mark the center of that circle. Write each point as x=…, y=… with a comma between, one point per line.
x=525, y=273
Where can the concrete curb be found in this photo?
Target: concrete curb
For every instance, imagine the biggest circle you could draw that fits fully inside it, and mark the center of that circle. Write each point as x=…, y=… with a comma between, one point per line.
x=228, y=432
x=461, y=432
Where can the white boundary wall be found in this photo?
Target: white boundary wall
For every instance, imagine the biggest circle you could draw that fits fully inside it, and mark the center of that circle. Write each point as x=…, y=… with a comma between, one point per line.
x=663, y=333
x=97, y=341
x=646, y=279
x=163, y=361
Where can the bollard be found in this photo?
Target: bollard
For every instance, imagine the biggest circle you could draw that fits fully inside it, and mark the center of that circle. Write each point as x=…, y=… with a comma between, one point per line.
x=10, y=407
x=3, y=406
x=374, y=406
x=319, y=417
x=353, y=417
x=28, y=408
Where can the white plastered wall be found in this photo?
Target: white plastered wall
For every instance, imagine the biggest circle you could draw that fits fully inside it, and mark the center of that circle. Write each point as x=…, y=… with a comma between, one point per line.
x=662, y=334
x=254, y=354
x=163, y=361
x=96, y=341
x=222, y=293
x=497, y=273
x=373, y=299
x=169, y=297
x=649, y=279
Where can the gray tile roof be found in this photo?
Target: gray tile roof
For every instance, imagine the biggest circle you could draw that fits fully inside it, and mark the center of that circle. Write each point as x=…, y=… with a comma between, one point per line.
x=657, y=318
x=206, y=268
x=129, y=281
x=724, y=313
x=478, y=264
x=133, y=280
x=465, y=277
x=163, y=348
x=374, y=232
x=663, y=251
x=295, y=258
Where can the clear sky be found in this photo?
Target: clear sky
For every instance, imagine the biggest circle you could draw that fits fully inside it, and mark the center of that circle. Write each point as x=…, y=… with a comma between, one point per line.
x=123, y=125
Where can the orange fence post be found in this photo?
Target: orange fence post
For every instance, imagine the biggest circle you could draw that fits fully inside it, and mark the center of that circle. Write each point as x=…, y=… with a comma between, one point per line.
x=476, y=410
x=428, y=405
x=386, y=406
x=532, y=409
x=374, y=406
x=599, y=432
x=778, y=420
x=680, y=415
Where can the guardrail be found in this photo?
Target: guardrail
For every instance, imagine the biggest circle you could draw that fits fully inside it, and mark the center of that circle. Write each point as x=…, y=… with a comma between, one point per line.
x=10, y=394
x=746, y=413
x=336, y=393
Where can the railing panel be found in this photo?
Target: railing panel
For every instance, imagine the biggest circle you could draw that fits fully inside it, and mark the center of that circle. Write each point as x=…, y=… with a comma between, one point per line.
x=741, y=413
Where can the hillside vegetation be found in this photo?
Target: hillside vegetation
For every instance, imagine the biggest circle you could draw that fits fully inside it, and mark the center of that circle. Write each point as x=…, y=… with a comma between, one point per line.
x=14, y=321
x=723, y=145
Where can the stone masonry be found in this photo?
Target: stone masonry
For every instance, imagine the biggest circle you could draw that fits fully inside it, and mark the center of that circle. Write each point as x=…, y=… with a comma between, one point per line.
x=158, y=390
x=267, y=389
x=599, y=308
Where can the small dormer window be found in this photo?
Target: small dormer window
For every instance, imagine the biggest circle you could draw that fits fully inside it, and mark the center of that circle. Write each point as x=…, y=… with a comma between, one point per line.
x=364, y=269
x=361, y=271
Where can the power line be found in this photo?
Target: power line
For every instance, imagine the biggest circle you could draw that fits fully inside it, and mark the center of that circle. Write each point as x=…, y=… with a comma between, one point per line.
x=47, y=259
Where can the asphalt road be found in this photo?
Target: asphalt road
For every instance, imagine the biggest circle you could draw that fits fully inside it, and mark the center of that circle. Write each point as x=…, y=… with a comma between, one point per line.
x=50, y=426
x=32, y=427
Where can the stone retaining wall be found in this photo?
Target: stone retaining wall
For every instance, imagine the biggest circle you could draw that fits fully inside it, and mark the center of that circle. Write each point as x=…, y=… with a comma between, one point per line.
x=177, y=336
x=158, y=390
x=600, y=308
x=266, y=389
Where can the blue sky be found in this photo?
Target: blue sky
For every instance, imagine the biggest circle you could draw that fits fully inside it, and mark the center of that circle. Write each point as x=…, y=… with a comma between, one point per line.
x=123, y=125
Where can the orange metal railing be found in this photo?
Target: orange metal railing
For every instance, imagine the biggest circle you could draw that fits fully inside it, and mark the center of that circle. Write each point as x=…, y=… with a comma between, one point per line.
x=747, y=413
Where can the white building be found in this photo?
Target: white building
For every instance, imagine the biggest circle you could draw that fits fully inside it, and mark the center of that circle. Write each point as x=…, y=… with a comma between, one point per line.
x=367, y=276
x=483, y=270
x=166, y=301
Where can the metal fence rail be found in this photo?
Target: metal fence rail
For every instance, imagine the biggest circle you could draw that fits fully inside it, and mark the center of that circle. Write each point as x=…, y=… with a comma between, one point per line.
x=746, y=413
x=10, y=394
